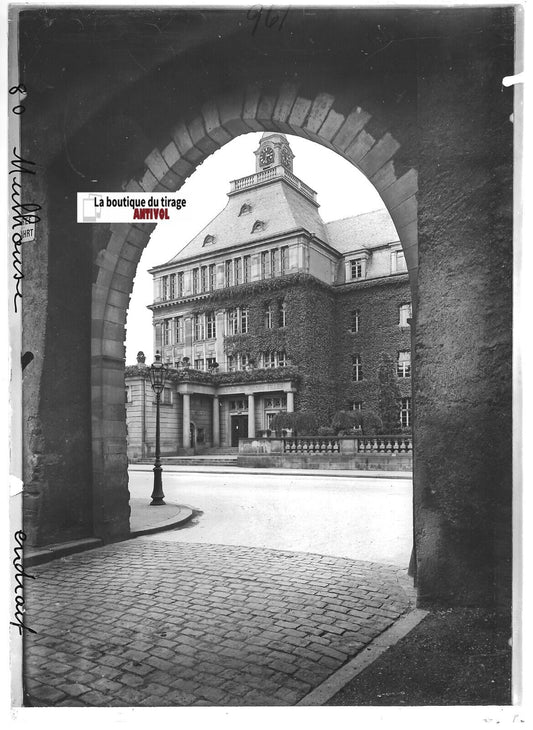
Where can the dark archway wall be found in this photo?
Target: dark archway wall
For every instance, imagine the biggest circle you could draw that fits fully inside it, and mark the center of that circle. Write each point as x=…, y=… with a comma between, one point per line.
x=108, y=89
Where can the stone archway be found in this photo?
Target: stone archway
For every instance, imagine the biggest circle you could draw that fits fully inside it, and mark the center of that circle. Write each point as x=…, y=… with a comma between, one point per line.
x=166, y=168
x=413, y=98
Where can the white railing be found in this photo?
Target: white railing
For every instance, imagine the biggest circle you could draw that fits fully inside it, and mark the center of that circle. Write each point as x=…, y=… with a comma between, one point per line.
x=311, y=446
x=273, y=173
x=385, y=444
x=400, y=444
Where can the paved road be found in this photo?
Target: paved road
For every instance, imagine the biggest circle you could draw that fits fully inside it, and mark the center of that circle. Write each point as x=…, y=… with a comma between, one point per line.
x=151, y=623
x=363, y=519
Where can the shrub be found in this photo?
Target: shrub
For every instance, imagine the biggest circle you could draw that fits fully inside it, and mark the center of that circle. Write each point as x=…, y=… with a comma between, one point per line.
x=346, y=421
x=372, y=423
x=302, y=423
x=326, y=431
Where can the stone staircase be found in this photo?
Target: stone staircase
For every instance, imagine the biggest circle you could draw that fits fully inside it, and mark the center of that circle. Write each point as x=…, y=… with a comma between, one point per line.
x=211, y=456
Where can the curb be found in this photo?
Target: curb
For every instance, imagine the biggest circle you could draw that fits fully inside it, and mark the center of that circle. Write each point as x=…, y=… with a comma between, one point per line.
x=364, y=659
x=276, y=472
x=187, y=513
x=39, y=556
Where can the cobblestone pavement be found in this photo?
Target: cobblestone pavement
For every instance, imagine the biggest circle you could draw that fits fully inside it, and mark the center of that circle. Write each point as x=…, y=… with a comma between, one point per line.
x=155, y=623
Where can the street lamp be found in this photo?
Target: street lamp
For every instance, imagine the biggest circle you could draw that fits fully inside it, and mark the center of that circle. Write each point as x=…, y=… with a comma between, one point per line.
x=158, y=375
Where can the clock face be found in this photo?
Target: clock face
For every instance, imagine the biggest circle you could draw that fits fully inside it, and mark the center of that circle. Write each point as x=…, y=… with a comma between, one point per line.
x=286, y=157
x=267, y=156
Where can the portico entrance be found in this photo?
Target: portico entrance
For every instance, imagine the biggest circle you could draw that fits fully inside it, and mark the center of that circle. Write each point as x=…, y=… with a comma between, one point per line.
x=239, y=429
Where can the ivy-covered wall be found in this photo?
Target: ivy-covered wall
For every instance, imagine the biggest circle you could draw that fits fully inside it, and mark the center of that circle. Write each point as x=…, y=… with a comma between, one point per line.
x=378, y=303
x=308, y=337
x=317, y=337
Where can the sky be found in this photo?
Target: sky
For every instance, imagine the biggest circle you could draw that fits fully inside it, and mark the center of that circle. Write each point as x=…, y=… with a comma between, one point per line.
x=342, y=192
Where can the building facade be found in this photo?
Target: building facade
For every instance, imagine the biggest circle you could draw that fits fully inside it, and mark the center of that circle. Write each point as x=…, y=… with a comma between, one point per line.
x=270, y=309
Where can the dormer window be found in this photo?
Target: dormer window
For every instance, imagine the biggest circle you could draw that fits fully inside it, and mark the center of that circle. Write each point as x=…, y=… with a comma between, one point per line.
x=209, y=239
x=258, y=226
x=245, y=209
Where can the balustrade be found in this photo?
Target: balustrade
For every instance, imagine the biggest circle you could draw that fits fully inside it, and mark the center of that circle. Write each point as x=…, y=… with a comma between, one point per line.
x=311, y=446
x=364, y=445
x=275, y=172
x=384, y=444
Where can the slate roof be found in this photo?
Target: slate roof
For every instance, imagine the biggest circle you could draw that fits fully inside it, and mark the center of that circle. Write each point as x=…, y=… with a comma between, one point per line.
x=282, y=209
x=277, y=204
x=368, y=230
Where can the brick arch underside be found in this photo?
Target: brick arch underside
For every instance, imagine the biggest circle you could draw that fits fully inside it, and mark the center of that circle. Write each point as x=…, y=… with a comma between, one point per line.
x=166, y=169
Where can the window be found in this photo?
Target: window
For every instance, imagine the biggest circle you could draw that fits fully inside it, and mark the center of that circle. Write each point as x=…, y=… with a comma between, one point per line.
x=258, y=226
x=212, y=277
x=357, y=368
x=244, y=320
x=237, y=271
x=274, y=262
x=238, y=405
x=246, y=269
x=356, y=405
x=404, y=364
x=203, y=279
x=282, y=321
x=398, y=262
x=180, y=284
x=164, y=287
x=198, y=326
x=245, y=361
x=210, y=325
x=195, y=274
x=172, y=286
x=357, y=268
x=245, y=209
x=404, y=314
x=178, y=329
x=209, y=239
x=355, y=320
x=268, y=316
x=274, y=359
x=199, y=363
x=167, y=332
x=232, y=321
x=284, y=260
x=228, y=273
x=276, y=402
x=405, y=412
x=264, y=264
x=230, y=360
x=128, y=393
x=237, y=321
x=211, y=363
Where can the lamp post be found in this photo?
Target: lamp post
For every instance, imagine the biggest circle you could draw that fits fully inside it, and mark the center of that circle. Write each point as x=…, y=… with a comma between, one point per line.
x=158, y=375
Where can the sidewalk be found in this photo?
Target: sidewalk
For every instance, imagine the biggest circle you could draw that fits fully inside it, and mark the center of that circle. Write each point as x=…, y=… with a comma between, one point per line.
x=345, y=473
x=458, y=656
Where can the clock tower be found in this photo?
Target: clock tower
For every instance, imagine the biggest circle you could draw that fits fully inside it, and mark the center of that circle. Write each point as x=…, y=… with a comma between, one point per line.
x=273, y=150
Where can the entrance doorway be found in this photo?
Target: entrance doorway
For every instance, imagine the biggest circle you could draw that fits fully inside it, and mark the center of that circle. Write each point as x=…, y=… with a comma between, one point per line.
x=239, y=429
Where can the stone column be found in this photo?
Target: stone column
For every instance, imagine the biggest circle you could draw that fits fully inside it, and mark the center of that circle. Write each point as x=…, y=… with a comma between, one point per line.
x=186, y=420
x=216, y=421
x=290, y=401
x=251, y=416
